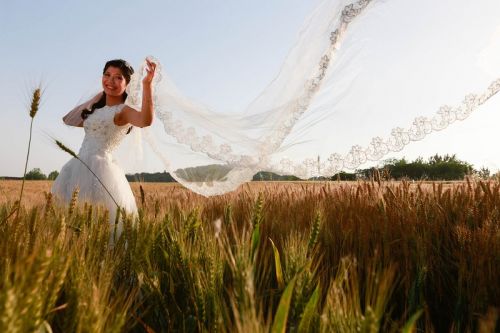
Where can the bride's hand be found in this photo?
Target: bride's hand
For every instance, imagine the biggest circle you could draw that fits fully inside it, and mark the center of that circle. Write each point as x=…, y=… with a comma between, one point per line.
x=150, y=72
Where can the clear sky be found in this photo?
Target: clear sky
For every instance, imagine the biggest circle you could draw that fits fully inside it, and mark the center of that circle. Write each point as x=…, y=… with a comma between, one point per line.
x=221, y=52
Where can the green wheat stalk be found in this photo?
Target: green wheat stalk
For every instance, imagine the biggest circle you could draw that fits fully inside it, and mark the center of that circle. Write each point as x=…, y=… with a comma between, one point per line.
x=313, y=238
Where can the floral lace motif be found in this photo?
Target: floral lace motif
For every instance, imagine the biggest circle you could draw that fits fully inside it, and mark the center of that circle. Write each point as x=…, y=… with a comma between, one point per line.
x=223, y=152
x=102, y=136
x=134, y=88
x=302, y=103
x=399, y=138
x=311, y=167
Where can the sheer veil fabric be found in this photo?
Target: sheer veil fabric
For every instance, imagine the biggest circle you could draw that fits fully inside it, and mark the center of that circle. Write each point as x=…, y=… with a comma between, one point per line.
x=364, y=78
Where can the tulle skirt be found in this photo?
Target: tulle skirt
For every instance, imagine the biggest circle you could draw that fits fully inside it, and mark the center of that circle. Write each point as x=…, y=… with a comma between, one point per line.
x=75, y=174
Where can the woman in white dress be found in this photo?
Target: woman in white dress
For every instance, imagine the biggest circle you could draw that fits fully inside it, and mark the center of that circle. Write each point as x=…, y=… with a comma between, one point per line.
x=106, y=120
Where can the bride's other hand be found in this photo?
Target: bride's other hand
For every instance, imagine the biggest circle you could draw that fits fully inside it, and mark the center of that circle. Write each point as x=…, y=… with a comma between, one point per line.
x=150, y=72
x=74, y=117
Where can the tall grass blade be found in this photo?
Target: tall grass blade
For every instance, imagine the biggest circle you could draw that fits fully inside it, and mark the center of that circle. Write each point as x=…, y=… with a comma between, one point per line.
x=309, y=313
x=277, y=266
x=409, y=327
x=281, y=316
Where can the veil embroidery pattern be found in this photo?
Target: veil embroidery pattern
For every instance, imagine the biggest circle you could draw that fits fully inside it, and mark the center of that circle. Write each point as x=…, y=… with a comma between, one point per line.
x=224, y=151
x=228, y=160
x=400, y=137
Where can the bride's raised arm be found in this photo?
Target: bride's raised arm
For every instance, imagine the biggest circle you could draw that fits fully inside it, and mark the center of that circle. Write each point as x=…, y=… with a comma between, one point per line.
x=144, y=117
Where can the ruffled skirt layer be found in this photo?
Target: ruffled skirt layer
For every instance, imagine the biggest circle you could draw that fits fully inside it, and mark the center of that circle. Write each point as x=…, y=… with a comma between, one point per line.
x=75, y=174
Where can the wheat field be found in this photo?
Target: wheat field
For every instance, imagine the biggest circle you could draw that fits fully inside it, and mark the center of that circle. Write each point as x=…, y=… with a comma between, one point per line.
x=269, y=257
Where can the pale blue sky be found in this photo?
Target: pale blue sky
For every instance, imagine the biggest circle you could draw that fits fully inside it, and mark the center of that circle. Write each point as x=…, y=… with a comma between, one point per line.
x=221, y=52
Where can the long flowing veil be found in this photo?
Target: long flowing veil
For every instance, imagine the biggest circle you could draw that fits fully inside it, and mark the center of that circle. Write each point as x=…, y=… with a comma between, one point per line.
x=364, y=78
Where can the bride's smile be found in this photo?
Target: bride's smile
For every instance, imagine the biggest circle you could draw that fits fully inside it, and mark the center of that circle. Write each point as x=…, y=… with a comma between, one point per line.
x=113, y=82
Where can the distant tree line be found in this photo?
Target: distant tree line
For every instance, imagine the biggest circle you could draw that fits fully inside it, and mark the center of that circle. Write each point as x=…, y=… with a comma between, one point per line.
x=37, y=174
x=157, y=177
x=437, y=167
x=270, y=176
x=447, y=167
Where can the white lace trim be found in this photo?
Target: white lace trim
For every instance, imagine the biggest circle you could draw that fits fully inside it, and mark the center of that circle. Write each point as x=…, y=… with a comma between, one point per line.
x=134, y=88
x=102, y=136
x=379, y=147
x=274, y=141
x=311, y=167
x=224, y=152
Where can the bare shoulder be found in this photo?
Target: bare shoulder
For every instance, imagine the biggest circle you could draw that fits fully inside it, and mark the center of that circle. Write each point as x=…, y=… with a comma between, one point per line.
x=128, y=108
x=124, y=116
x=138, y=118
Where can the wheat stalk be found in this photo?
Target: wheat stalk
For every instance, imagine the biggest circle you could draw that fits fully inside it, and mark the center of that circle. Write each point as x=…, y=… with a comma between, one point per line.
x=143, y=195
x=72, y=203
x=35, y=104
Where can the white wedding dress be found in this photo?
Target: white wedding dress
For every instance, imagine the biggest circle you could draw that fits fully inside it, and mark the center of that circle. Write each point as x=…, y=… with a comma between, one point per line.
x=102, y=136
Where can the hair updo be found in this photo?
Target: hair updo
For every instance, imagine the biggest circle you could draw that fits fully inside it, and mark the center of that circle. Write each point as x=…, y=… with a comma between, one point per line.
x=127, y=72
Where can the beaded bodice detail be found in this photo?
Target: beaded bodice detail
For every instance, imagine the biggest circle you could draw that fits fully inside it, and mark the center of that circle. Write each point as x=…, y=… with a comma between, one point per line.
x=102, y=136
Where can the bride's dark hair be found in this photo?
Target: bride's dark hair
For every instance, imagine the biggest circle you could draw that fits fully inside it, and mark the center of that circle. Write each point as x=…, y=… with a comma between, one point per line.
x=127, y=72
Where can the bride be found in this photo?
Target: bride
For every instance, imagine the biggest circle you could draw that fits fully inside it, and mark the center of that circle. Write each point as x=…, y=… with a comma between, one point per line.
x=106, y=121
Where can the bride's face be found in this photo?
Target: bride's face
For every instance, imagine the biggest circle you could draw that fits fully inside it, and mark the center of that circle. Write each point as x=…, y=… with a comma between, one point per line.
x=113, y=82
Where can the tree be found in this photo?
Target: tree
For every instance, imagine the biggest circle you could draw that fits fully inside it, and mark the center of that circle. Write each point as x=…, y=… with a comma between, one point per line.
x=53, y=175
x=36, y=174
x=483, y=173
x=447, y=167
x=344, y=176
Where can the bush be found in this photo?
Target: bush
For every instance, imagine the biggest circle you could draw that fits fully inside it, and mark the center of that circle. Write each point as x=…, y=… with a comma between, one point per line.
x=36, y=174
x=53, y=175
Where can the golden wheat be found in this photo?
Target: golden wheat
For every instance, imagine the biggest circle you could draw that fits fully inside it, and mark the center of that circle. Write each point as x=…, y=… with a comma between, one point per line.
x=329, y=256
